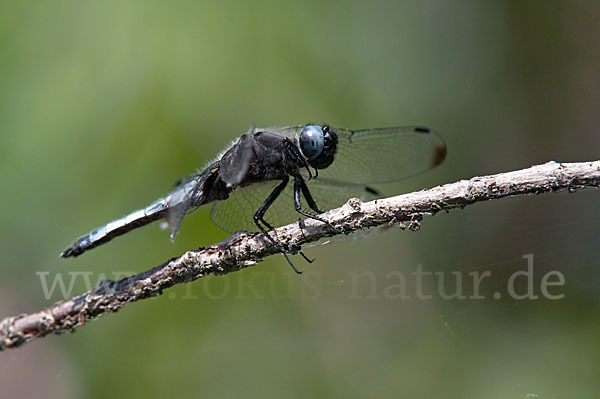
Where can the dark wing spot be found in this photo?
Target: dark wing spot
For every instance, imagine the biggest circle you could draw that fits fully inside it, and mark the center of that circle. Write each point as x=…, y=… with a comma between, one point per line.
x=371, y=190
x=439, y=154
x=420, y=129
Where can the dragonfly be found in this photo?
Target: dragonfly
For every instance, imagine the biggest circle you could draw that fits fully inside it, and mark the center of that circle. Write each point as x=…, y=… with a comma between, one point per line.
x=272, y=176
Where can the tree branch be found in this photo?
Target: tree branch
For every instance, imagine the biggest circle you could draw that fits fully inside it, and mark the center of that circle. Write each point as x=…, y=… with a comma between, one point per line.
x=246, y=249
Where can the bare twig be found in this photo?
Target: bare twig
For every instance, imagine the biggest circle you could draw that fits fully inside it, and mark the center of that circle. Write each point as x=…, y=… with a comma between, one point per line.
x=245, y=249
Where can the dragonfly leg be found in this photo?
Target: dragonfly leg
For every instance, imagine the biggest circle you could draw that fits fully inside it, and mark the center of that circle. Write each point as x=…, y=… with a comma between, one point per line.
x=306, y=258
x=308, y=196
x=300, y=185
x=371, y=190
x=294, y=152
x=259, y=217
x=268, y=225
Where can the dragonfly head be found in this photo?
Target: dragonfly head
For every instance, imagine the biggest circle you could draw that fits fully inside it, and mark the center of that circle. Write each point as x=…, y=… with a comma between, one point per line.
x=318, y=144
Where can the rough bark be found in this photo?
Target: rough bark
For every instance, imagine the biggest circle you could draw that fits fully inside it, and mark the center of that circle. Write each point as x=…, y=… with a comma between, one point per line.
x=246, y=249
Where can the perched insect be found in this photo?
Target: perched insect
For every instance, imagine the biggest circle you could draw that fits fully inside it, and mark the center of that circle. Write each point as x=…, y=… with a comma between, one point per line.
x=328, y=165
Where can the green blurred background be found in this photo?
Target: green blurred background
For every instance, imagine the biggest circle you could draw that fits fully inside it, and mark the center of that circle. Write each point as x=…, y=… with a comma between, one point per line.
x=104, y=105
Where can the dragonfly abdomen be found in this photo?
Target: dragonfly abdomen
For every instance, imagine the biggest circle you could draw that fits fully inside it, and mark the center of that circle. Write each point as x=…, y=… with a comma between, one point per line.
x=141, y=217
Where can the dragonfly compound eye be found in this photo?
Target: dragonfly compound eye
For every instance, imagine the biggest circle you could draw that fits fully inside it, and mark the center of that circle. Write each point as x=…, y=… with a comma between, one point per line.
x=311, y=141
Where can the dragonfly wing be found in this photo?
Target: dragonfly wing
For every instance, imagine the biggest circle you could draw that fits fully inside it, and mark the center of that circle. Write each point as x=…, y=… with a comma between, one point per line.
x=287, y=131
x=179, y=202
x=330, y=194
x=237, y=211
x=384, y=155
x=363, y=157
x=235, y=162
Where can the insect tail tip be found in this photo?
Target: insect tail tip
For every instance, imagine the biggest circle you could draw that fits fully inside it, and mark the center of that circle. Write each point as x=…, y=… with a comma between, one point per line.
x=67, y=253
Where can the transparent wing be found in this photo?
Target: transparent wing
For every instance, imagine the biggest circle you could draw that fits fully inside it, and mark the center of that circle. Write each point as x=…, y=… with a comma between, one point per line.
x=236, y=212
x=179, y=202
x=234, y=164
x=331, y=194
x=363, y=157
x=379, y=155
